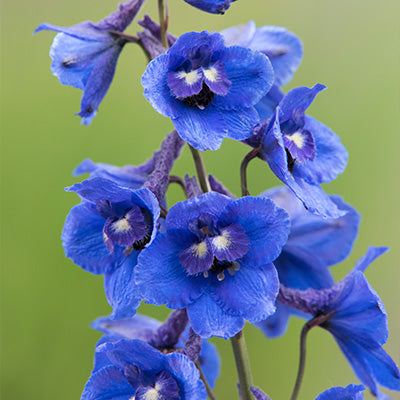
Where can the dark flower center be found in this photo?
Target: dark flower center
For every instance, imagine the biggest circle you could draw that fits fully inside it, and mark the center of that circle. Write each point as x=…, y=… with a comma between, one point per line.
x=200, y=100
x=290, y=160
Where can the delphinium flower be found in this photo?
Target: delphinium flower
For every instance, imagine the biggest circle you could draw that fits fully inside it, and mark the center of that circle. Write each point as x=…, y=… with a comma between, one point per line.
x=116, y=220
x=351, y=392
x=211, y=6
x=301, y=151
x=207, y=89
x=314, y=244
x=85, y=55
x=132, y=369
x=283, y=48
x=354, y=314
x=215, y=260
x=168, y=337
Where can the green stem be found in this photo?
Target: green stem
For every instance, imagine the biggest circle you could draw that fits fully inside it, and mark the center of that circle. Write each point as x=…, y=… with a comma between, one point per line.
x=316, y=321
x=302, y=361
x=201, y=169
x=242, y=365
x=243, y=169
x=210, y=392
x=163, y=23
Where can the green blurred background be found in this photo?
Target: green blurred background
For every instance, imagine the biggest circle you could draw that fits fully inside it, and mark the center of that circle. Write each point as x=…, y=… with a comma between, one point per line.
x=352, y=46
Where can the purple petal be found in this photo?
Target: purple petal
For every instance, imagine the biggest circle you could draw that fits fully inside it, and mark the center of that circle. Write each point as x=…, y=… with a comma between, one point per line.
x=185, y=84
x=232, y=243
x=197, y=258
x=216, y=79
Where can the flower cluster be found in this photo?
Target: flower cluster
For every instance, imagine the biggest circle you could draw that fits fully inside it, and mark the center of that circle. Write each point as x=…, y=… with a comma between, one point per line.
x=216, y=260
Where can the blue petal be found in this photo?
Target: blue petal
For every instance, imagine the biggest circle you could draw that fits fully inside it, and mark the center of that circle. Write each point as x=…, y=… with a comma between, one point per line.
x=266, y=226
x=128, y=176
x=299, y=269
x=133, y=352
x=312, y=196
x=208, y=319
x=251, y=75
x=372, y=254
x=239, y=35
x=139, y=327
x=161, y=279
x=82, y=238
x=183, y=212
x=86, y=30
x=73, y=59
x=330, y=155
x=156, y=90
x=298, y=99
x=360, y=313
x=187, y=376
x=283, y=48
x=267, y=105
x=351, y=392
x=276, y=324
x=98, y=83
x=120, y=289
x=99, y=189
x=211, y=6
x=329, y=240
x=250, y=293
x=108, y=383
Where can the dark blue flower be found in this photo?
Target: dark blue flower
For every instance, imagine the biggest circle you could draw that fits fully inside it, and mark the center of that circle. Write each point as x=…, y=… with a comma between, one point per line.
x=136, y=370
x=356, y=317
x=207, y=89
x=215, y=261
x=211, y=6
x=302, y=152
x=85, y=55
x=148, y=329
x=351, y=392
x=314, y=244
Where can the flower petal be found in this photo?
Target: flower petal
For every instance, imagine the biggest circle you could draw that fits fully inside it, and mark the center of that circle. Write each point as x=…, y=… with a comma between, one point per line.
x=208, y=319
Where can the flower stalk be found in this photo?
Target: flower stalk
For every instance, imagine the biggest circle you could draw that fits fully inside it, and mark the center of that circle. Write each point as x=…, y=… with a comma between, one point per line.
x=163, y=22
x=200, y=169
x=242, y=365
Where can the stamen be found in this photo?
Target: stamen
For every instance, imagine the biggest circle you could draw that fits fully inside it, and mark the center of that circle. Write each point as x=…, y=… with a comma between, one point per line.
x=140, y=244
x=200, y=100
x=290, y=161
x=205, y=274
x=221, y=276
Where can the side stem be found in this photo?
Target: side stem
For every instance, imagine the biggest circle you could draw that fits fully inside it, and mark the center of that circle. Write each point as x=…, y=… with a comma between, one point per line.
x=210, y=392
x=201, y=169
x=243, y=169
x=242, y=365
x=163, y=23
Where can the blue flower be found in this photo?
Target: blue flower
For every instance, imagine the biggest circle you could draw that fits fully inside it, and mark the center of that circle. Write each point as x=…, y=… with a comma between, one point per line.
x=85, y=55
x=314, y=244
x=351, y=392
x=354, y=314
x=105, y=232
x=302, y=152
x=134, y=369
x=215, y=260
x=211, y=6
x=148, y=329
x=207, y=89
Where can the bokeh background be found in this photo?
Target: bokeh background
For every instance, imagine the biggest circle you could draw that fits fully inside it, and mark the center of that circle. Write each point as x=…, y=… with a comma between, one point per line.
x=352, y=46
